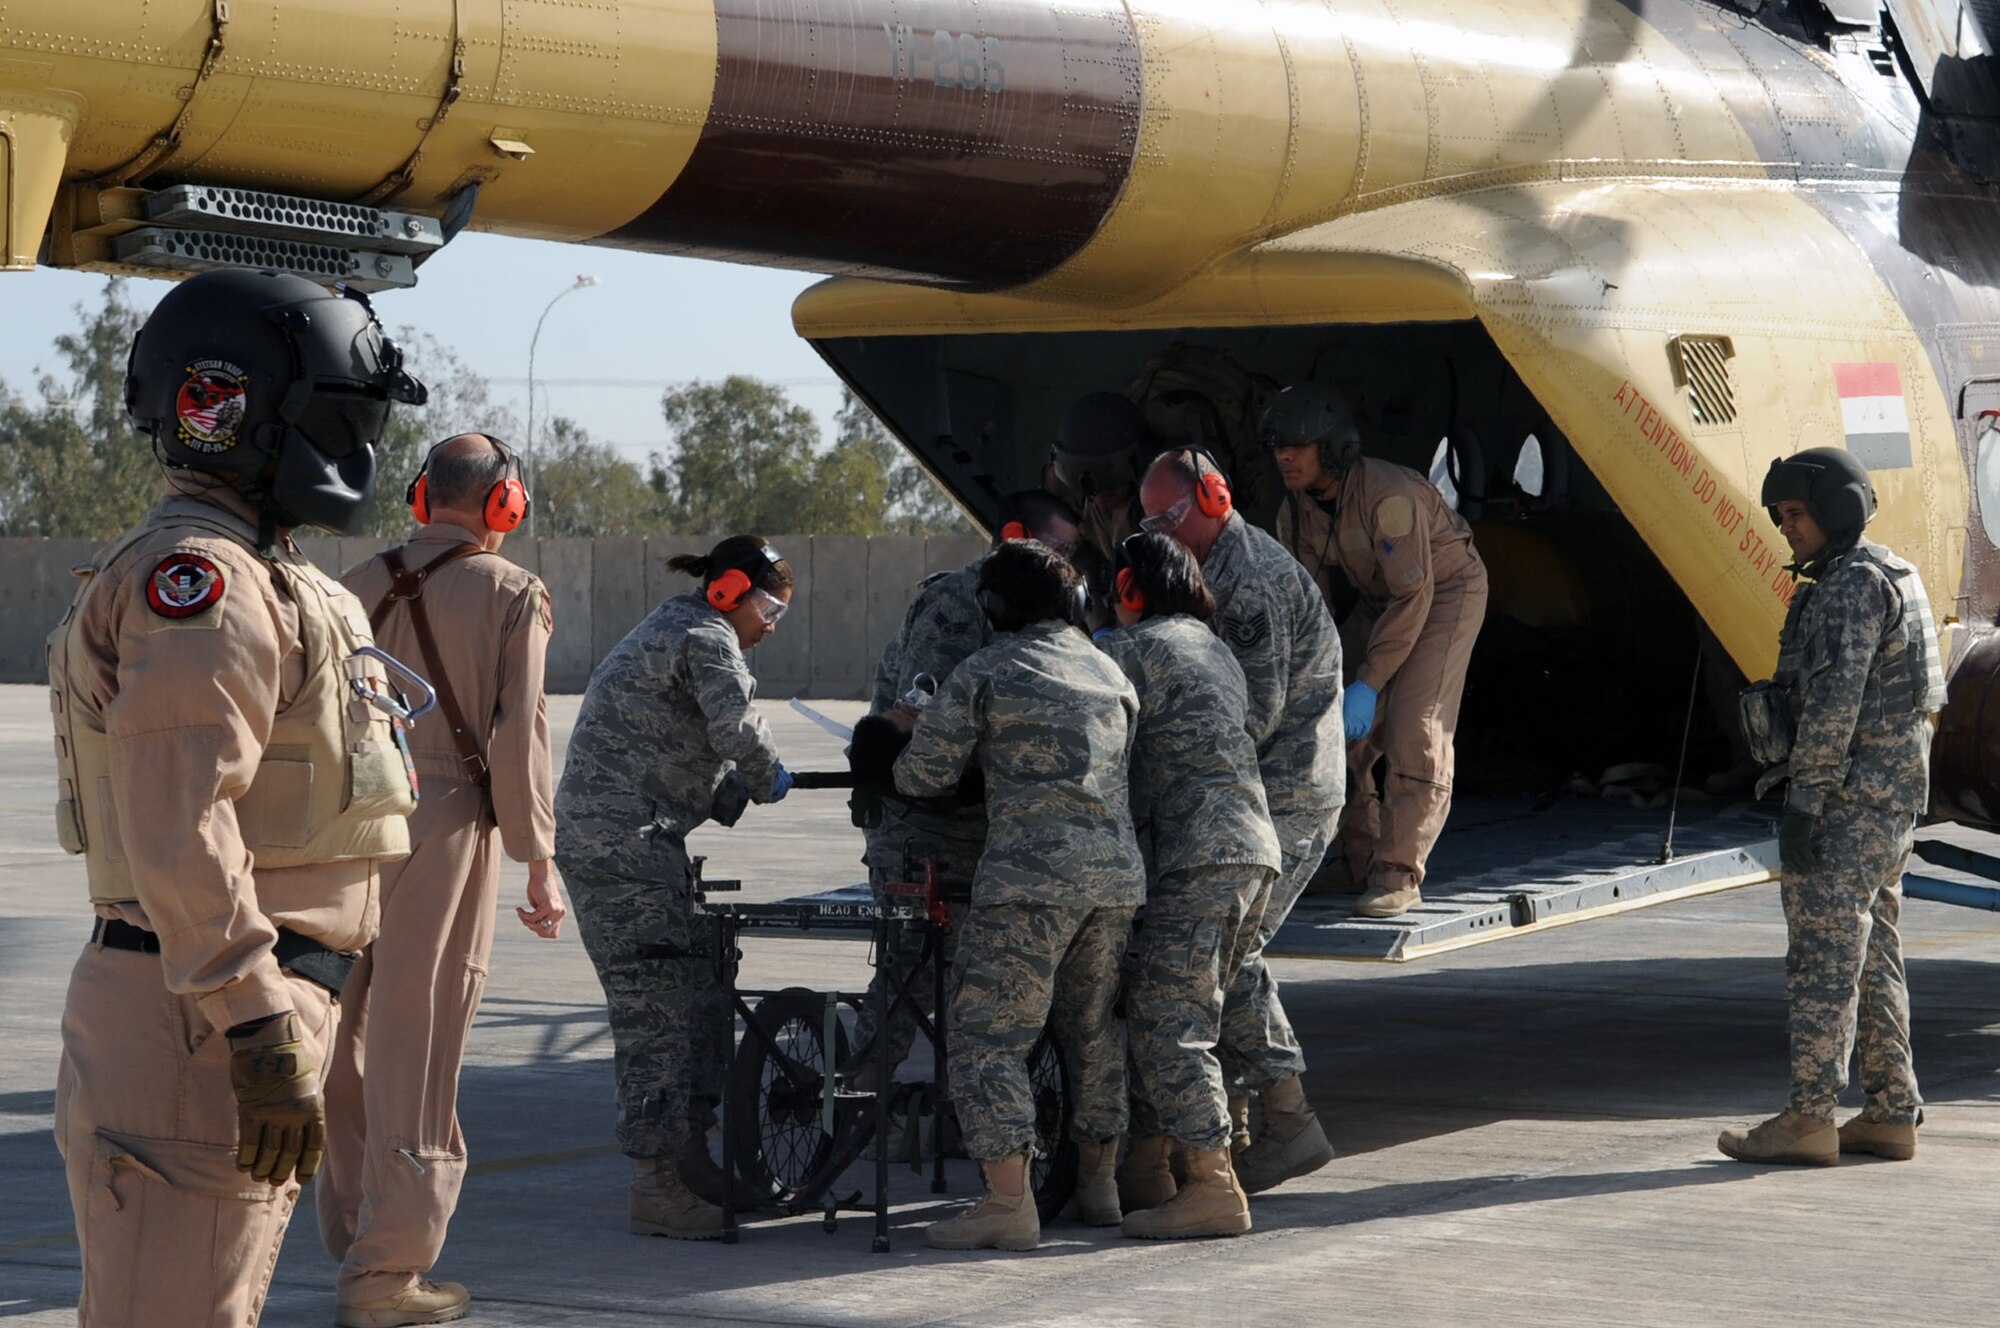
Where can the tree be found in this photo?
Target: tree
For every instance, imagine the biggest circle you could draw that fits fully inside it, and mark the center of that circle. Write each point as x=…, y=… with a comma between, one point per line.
x=916, y=503
x=585, y=488
x=745, y=457
x=73, y=465
x=742, y=457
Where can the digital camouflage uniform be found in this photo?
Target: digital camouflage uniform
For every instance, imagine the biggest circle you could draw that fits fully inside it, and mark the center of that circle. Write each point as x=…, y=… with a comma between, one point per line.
x=666, y=720
x=1050, y=721
x=1271, y=617
x=943, y=627
x=1211, y=857
x=1859, y=664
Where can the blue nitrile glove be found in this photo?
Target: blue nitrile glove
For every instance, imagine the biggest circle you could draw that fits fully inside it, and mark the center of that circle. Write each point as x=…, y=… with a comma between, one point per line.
x=1357, y=710
x=782, y=784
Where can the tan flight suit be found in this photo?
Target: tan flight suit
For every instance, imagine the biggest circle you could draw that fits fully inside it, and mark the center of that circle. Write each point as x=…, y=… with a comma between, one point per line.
x=1105, y=528
x=204, y=721
x=395, y=1158
x=1423, y=598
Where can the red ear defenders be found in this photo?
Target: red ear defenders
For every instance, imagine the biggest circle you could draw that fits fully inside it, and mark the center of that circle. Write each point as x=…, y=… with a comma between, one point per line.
x=1130, y=597
x=1211, y=486
x=728, y=591
x=1015, y=531
x=507, y=502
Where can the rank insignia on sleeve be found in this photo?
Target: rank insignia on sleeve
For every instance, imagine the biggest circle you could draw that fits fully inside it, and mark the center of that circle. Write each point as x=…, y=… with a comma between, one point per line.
x=184, y=585
x=1246, y=632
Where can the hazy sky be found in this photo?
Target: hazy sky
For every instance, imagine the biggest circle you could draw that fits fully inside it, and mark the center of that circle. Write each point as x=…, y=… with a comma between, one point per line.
x=653, y=321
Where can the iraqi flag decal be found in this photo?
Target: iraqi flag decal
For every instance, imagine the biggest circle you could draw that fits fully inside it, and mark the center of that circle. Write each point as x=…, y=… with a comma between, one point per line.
x=1874, y=414
x=184, y=585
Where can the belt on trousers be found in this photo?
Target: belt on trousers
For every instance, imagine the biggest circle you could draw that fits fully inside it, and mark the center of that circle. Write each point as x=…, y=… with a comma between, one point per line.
x=296, y=954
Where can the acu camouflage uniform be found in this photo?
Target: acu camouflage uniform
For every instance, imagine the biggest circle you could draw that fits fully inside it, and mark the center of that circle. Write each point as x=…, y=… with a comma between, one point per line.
x=943, y=627
x=1271, y=617
x=1050, y=721
x=666, y=726
x=1211, y=858
x=1859, y=666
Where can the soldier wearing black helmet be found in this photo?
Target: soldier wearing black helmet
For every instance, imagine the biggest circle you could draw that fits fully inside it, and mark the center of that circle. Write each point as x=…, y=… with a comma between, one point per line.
x=1408, y=642
x=1101, y=446
x=228, y=769
x=1847, y=717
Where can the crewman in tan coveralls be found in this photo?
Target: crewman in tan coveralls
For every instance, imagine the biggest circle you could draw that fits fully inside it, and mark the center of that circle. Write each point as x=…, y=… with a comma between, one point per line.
x=227, y=767
x=395, y=1158
x=1408, y=642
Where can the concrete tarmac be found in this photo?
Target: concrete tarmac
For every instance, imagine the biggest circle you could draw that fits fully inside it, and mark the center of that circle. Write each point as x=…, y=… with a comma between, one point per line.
x=1527, y=1134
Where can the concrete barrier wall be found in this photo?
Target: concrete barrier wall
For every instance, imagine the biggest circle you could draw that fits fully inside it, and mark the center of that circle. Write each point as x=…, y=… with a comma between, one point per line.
x=851, y=595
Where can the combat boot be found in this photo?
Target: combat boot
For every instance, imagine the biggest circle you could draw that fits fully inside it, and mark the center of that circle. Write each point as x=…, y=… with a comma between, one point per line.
x=1239, y=1124
x=1146, y=1179
x=1004, y=1220
x=1212, y=1203
x=426, y=1302
x=1894, y=1140
x=661, y=1205
x=1095, y=1201
x=1292, y=1143
x=702, y=1175
x=1788, y=1139
x=1382, y=901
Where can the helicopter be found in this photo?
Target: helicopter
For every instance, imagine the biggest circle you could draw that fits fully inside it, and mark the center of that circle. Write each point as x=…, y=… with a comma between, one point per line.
x=1591, y=263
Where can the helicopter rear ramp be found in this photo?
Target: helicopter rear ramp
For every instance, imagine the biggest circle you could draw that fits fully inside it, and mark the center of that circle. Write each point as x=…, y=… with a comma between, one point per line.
x=1509, y=867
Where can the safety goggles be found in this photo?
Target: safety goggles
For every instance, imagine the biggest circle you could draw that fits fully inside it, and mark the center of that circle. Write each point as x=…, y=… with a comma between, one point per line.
x=1167, y=522
x=769, y=607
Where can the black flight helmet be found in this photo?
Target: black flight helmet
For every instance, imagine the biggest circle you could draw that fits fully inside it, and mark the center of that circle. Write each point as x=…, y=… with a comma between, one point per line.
x=1304, y=416
x=1098, y=444
x=273, y=378
x=1834, y=487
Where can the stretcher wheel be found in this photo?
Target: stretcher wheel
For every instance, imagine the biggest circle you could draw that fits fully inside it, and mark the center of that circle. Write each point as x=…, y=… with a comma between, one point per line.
x=775, y=1092
x=1053, y=1175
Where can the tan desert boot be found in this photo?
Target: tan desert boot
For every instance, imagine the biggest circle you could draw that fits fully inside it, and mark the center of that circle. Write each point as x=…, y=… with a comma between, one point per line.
x=1292, y=1144
x=662, y=1206
x=1788, y=1139
x=1212, y=1203
x=1004, y=1220
x=426, y=1302
x=1239, y=1124
x=1146, y=1179
x=1095, y=1202
x=1894, y=1140
x=1380, y=901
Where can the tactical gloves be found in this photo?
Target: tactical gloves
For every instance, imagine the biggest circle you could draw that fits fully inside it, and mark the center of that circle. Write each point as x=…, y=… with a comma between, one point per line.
x=1795, y=836
x=1357, y=710
x=280, y=1117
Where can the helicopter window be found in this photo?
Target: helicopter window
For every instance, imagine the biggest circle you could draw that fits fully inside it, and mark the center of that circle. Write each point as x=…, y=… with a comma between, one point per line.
x=1528, y=468
x=1986, y=477
x=1441, y=472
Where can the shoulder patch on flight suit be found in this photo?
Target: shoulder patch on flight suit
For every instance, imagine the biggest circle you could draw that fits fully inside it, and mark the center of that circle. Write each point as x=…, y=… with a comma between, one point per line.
x=1396, y=516
x=542, y=606
x=183, y=588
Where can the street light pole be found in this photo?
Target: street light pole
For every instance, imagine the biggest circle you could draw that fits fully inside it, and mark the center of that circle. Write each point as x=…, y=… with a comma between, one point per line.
x=529, y=452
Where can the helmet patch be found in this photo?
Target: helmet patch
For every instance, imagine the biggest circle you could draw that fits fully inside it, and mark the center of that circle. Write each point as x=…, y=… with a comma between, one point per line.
x=184, y=585
x=209, y=408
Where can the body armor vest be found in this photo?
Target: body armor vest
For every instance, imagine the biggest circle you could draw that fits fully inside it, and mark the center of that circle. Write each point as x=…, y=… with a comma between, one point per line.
x=1907, y=675
x=331, y=786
